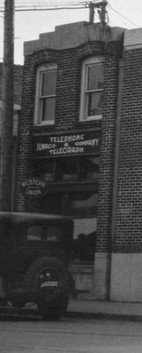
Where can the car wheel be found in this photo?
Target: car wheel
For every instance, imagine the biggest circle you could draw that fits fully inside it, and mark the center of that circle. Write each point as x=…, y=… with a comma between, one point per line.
x=53, y=311
x=50, y=278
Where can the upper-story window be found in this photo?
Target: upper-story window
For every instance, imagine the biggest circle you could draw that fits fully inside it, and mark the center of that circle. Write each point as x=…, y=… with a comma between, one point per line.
x=92, y=89
x=45, y=95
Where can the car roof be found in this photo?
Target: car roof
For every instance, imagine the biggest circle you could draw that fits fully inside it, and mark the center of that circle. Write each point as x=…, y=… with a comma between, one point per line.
x=29, y=217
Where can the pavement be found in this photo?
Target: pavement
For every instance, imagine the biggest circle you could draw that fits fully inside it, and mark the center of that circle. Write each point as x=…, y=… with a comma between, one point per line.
x=87, y=309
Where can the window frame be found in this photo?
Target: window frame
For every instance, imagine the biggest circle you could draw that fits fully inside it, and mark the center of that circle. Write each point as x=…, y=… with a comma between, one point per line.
x=83, y=116
x=37, y=113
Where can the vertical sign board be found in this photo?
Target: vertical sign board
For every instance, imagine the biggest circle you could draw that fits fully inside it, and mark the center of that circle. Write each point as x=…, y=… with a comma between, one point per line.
x=84, y=142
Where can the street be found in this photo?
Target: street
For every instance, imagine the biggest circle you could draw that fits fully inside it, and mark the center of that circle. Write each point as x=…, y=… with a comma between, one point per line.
x=70, y=335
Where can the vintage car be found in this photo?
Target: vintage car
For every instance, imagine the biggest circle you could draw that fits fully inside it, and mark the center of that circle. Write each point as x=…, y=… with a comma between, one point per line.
x=35, y=250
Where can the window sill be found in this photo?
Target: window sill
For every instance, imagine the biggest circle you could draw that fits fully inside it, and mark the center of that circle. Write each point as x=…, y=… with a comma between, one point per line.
x=91, y=118
x=49, y=123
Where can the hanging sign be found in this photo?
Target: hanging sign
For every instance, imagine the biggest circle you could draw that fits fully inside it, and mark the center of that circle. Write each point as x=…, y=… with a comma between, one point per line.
x=75, y=143
x=33, y=187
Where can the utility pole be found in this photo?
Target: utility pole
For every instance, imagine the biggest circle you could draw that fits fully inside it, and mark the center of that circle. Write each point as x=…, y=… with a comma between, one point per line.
x=102, y=12
x=7, y=97
x=101, y=6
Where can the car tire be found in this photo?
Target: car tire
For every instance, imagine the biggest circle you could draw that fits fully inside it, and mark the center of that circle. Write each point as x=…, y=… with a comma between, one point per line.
x=49, y=278
x=54, y=311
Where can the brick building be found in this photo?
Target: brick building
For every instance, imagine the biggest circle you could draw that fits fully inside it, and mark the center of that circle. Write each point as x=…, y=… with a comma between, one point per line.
x=80, y=133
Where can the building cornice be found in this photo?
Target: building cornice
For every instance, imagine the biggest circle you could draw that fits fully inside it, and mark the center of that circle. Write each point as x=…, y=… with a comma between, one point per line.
x=73, y=35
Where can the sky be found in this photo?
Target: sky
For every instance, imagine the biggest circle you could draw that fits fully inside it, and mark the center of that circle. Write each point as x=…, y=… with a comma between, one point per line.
x=28, y=25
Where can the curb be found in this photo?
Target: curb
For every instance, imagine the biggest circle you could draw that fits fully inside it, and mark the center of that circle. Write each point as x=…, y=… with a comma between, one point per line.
x=10, y=313
x=104, y=316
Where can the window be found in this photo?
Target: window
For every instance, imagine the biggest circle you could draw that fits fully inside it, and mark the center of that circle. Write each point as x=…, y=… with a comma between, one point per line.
x=46, y=233
x=73, y=169
x=45, y=95
x=92, y=89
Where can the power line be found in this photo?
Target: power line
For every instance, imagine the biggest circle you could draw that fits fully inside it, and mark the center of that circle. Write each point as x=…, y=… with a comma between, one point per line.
x=69, y=6
x=63, y=5
x=48, y=9
x=45, y=7
x=122, y=15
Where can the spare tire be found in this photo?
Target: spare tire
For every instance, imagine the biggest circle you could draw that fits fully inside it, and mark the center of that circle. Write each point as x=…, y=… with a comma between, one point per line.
x=50, y=279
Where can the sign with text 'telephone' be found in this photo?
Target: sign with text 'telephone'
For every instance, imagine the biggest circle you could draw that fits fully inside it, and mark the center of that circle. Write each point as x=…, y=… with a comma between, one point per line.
x=84, y=142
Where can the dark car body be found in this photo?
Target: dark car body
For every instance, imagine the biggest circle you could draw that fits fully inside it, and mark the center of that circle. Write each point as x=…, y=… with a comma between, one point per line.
x=35, y=250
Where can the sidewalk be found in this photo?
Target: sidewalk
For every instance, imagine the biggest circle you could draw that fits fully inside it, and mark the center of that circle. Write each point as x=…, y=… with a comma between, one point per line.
x=106, y=310
x=85, y=309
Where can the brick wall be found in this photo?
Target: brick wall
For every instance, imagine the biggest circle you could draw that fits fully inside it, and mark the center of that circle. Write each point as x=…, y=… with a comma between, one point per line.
x=129, y=205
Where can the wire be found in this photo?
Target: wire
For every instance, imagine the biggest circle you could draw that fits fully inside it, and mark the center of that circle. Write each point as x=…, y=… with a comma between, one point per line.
x=49, y=6
x=47, y=9
x=122, y=16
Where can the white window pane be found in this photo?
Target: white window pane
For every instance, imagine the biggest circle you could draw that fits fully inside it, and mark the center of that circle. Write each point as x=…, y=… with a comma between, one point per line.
x=95, y=103
x=95, y=77
x=48, y=83
x=47, y=109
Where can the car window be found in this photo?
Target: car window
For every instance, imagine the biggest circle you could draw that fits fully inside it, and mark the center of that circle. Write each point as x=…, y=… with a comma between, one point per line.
x=34, y=233
x=53, y=233
x=46, y=233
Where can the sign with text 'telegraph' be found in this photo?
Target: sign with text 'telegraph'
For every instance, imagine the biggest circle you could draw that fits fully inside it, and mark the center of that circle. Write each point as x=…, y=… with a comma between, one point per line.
x=79, y=143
